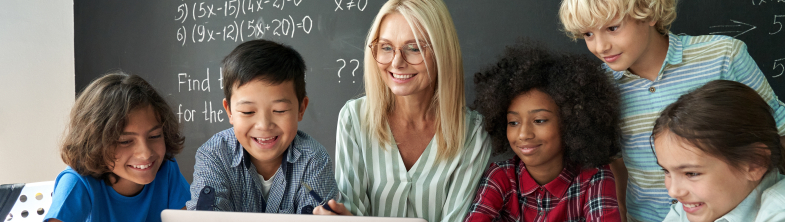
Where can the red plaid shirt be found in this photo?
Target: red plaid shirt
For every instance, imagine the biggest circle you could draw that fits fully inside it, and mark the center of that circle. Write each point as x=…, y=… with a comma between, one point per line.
x=508, y=193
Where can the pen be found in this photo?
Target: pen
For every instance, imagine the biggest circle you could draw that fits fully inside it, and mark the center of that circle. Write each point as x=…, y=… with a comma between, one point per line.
x=318, y=198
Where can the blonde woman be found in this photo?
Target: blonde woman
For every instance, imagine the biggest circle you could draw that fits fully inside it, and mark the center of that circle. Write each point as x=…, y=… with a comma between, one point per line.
x=410, y=147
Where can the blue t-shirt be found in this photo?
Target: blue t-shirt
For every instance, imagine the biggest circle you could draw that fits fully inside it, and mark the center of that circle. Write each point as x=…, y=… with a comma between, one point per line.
x=85, y=198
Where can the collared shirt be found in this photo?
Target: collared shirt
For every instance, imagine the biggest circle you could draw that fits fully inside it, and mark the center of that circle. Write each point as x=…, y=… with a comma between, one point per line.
x=226, y=180
x=772, y=208
x=691, y=62
x=507, y=192
x=374, y=181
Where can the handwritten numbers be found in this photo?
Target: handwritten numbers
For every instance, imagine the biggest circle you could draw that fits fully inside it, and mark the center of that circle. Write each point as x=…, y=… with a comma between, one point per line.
x=777, y=23
x=205, y=31
x=302, y=25
x=779, y=63
x=181, y=35
x=183, y=10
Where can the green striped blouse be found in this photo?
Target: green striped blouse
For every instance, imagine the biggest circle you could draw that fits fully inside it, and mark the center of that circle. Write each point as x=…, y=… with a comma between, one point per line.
x=374, y=182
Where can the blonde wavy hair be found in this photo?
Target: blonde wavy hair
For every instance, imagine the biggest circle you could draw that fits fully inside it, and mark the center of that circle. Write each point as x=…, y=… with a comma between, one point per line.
x=431, y=19
x=579, y=15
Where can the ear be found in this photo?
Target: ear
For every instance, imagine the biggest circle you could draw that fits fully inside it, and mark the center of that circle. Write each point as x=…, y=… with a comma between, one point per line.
x=301, y=111
x=755, y=172
x=228, y=110
x=652, y=22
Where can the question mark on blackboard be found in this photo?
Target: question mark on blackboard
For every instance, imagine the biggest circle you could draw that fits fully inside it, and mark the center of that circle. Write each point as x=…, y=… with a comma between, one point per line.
x=339, y=69
x=355, y=68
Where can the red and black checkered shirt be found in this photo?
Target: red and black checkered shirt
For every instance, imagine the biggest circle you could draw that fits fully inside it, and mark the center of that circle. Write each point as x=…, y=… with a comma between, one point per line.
x=508, y=193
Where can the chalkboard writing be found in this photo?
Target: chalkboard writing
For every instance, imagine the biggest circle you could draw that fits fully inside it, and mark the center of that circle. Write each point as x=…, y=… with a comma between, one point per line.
x=178, y=46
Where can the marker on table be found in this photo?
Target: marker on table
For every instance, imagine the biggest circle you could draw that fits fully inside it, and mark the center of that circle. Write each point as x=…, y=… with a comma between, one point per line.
x=318, y=198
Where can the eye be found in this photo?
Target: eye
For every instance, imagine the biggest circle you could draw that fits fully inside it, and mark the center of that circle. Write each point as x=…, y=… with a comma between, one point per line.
x=156, y=136
x=247, y=113
x=665, y=171
x=124, y=142
x=386, y=47
x=413, y=48
x=613, y=28
x=512, y=123
x=540, y=121
x=691, y=174
x=279, y=111
x=587, y=34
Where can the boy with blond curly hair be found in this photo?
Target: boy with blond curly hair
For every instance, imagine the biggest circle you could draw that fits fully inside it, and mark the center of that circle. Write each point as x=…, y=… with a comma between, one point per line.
x=652, y=68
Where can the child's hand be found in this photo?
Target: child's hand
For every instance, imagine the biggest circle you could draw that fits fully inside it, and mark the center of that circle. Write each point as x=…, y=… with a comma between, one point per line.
x=337, y=207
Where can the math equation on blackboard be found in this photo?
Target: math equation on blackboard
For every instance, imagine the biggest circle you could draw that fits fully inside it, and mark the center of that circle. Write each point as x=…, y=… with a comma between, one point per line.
x=202, y=22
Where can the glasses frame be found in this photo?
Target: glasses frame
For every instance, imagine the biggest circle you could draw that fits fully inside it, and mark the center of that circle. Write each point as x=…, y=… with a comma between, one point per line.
x=395, y=51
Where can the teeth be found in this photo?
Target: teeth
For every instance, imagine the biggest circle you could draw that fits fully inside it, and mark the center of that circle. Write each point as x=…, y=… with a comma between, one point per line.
x=263, y=140
x=402, y=76
x=142, y=166
x=691, y=205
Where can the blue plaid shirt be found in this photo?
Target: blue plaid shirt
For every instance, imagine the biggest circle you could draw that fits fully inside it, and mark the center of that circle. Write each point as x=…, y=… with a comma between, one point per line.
x=226, y=180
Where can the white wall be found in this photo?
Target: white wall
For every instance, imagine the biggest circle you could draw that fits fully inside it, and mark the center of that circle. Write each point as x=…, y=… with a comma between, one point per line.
x=36, y=87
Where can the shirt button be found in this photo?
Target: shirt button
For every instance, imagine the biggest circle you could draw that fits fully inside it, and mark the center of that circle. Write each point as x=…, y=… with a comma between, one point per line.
x=207, y=190
x=540, y=213
x=652, y=89
x=674, y=201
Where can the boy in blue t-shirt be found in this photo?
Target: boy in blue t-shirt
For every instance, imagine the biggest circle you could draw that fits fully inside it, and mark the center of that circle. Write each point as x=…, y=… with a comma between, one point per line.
x=119, y=148
x=653, y=67
x=261, y=164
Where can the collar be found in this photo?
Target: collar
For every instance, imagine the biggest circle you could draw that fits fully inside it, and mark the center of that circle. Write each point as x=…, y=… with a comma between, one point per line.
x=748, y=208
x=673, y=57
x=557, y=187
x=291, y=155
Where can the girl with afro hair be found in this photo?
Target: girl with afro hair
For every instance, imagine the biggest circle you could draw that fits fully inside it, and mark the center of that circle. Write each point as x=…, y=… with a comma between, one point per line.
x=559, y=114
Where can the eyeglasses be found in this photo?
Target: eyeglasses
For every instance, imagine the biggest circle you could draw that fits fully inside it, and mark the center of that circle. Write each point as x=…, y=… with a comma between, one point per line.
x=384, y=52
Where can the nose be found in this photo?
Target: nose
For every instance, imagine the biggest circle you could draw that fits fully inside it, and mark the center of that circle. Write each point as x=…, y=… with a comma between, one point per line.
x=398, y=60
x=601, y=44
x=143, y=150
x=526, y=132
x=675, y=187
x=264, y=122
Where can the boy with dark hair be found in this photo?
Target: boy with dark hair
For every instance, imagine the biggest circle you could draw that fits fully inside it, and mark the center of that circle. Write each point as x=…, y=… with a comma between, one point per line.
x=262, y=162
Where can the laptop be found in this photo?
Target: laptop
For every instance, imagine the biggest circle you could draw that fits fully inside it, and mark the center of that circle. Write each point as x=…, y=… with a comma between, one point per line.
x=189, y=216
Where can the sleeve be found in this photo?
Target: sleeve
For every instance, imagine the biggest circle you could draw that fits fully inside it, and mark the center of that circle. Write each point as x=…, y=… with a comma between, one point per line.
x=465, y=179
x=350, y=174
x=601, y=203
x=322, y=180
x=210, y=182
x=178, y=186
x=743, y=69
x=71, y=200
x=490, y=199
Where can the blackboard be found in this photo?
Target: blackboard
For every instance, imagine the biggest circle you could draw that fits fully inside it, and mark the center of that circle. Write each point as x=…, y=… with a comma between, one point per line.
x=178, y=45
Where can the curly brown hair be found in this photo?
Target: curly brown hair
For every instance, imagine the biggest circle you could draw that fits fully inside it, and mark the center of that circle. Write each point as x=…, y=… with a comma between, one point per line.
x=99, y=116
x=587, y=99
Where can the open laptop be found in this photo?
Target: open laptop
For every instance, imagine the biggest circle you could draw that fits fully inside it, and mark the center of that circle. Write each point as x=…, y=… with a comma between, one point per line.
x=189, y=216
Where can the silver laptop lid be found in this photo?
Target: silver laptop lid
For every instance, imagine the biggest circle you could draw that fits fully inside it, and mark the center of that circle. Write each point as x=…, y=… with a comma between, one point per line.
x=189, y=216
